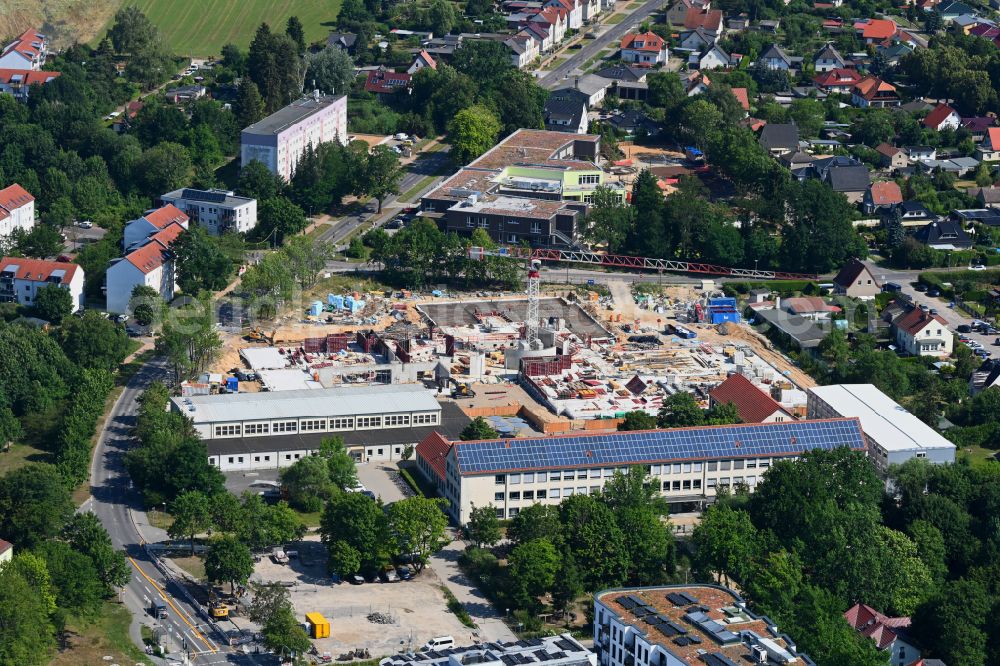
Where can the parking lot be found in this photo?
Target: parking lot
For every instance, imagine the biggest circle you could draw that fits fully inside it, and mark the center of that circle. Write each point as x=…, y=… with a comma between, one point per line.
x=415, y=610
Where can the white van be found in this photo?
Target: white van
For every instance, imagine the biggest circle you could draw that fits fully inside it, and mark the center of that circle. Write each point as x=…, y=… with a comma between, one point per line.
x=438, y=643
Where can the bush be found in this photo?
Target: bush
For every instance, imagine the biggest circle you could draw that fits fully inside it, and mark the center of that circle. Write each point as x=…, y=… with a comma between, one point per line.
x=456, y=607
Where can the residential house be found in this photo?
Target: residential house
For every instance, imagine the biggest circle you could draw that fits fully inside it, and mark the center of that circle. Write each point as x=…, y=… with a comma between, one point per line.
x=573, y=9
x=565, y=115
x=590, y=9
x=708, y=19
x=977, y=126
x=883, y=195
x=712, y=57
x=797, y=160
x=185, y=93
x=959, y=166
x=856, y=280
x=837, y=80
x=828, y=59
x=696, y=83
x=743, y=97
x=986, y=196
x=18, y=82
x=989, y=149
x=6, y=551
x=695, y=40
x=384, y=83
x=844, y=174
x=422, y=60
x=17, y=210
x=921, y=153
x=770, y=26
x=523, y=49
x=632, y=123
x=27, y=51
x=751, y=402
x=894, y=53
x=911, y=214
x=623, y=73
x=589, y=87
x=876, y=31
x=153, y=221
x=775, y=57
x=780, y=138
x=218, y=211
x=556, y=19
x=889, y=633
x=952, y=10
x=151, y=264
x=645, y=49
x=944, y=235
x=988, y=376
x=969, y=216
x=872, y=91
x=892, y=157
x=918, y=332
x=812, y=308
x=633, y=90
x=942, y=117
x=345, y=41
x=21, y=278
x=677, y=13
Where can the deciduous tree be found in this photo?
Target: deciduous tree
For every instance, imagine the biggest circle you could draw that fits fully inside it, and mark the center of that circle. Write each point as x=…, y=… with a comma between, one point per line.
x=472, y=132
x=484, y=526
x=228, y=561
x=478, y=429
x=533, y=567
x=418, y=527
x=191, y=516
x=53, y=303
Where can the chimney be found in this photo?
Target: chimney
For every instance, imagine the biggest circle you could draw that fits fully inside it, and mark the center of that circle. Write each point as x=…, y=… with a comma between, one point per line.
x=576, y=83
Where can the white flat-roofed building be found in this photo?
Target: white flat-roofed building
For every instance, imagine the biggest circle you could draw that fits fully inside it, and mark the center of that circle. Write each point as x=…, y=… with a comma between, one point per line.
x=218, y=211
x=279, y=140
x=378, y=407
x=561, y=650
x=893, y=434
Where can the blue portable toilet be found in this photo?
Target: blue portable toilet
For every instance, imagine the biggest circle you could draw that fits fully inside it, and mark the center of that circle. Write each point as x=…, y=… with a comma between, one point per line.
x=316, y=309
x=330, y=299
x=349, y=303
x=232, y=385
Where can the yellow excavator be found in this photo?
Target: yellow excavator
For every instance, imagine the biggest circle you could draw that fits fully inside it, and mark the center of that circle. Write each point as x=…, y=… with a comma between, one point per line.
x=217, y=609
x=257, y=334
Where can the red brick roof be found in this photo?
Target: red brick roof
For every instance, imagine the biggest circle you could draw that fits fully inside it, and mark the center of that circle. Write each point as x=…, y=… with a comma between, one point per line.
x=870, y=86
x=153, y=254
x=885, y=193
x=938, y=116
x=427, y=59
x=38, y=270
x=163, y=217
x=808, y=304
x=877, y=29
x=386, y=82
x=887, y=150
x=993, y=137
x=28, y=76
x=434, y=449
x=752, y=404
x=742, y=97
x=5, y=546
x=650, y=42
x=837, y=77
x=23, y=44
x=916, y=320
x=698, y=18
x=875, y=625
x=14, y=196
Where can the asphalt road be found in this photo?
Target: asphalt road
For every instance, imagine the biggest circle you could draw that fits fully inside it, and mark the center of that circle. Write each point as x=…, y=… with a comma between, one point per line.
x=592, y=47
x=427, y=164
x=112, y=498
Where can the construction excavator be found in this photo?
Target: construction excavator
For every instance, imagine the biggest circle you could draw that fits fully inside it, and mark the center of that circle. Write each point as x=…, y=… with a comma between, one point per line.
x=257, y=334
x=217, y=609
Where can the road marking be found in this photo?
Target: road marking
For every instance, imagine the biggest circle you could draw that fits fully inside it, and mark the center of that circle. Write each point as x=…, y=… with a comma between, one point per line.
x=163, y=594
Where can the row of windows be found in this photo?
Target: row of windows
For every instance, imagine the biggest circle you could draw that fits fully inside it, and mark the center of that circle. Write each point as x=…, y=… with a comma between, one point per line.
x=233, y=460
x=421, y=419
x=286, y=426
x=397, y=419
x=557, y=475
x=314, y=425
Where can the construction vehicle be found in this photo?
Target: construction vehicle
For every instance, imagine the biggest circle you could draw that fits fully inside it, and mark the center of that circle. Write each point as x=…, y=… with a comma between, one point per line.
x=218, y=610
x=257, y=334
x=461, y=390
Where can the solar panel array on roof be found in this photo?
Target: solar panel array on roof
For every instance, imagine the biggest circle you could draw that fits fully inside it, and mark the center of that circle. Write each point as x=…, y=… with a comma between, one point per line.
x=731, y=441
x=204, y=195
x=716, y=659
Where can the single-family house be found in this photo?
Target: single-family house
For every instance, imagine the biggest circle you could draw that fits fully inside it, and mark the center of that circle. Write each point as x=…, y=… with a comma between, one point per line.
x=632, y=122
x=880, y=196
x=828, y=59
x=889, y=634
x=589, y=87
x=21, y=278
x=712, y=57
x=557, y=18
x=911, y=213
x=775, y=57
x=708, y=19
x=6, y=551
x=153, y=221
x=989, y=149
x=384, y=83
x=524, y=49
x=677, y=13
x=422, y=60
x=573, y=9
x=151, y=264
x=181, y=94
x=796, y=160
x=645, y=49
x=851, y=181
x=920, y=333
x=780, y=138
x=952, y=10
x=17, y=210
x=857, y=280
x=696, y=83
x=565, y=115
x=894, y=53
x=695, y=40
x=958, y=166
x=345, y=41
x=977, y=126
x=969, y=216
x=988, y=376
x=590, y=9
x=942, y=117
x=944, y=235
x=921, y=153
x=813, y=308
x=876, y=31
x=742, y=96
x=892, y=157
x=27, y=51
x=986, y=196
x=837, y=80
x=623, y=73
x=872, y=91
x=18, y=82
x=750, y=401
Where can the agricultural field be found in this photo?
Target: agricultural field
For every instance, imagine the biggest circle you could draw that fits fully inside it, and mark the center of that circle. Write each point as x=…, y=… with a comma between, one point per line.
x=201, y=29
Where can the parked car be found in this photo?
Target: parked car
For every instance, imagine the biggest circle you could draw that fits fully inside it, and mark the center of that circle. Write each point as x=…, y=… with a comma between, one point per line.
x=977, y=267
x=964, y=328
x=390, y=576
x=355, y=580
x=403, y=573
x=920, y=286
x=85, y=224
x=934, y=293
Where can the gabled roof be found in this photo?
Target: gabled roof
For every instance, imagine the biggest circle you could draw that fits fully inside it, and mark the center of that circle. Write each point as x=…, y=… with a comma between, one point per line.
x=837, y=77
x=386, y=81
x=26, y=77
x=154, y=253
x=752, y=404
x=870, y=86
x=14, y=196
x=776, y=52
x=742, y=97
x=39, y=270
x=875, y=625
x=917, y=320
x=944, y=232
x=829, y=52
x=428, y=60
x=161, y=218
x=650, y=41
x=877, y=29
x=978, y=123
x=564, y=109
x=808, y=305
x=993, y=137
x=849, y=274
x=434, y=449
x=622, y=73
x=887, y=150
x=885, y=193
x=710, y=20
x=29, y=44
x=5, y=546
x=940, y=113
x=854, y=178
x=780, y=135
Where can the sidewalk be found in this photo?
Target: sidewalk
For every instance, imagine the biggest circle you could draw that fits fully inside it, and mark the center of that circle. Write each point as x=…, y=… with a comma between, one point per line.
x=490, y=622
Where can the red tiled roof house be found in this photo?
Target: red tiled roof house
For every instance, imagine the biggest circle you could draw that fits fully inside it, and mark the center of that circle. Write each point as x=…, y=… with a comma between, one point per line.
x=151, y=263
x=753, y=405
x=17, y=210
x=644, y=48
x=920, y=333
x=21, y=278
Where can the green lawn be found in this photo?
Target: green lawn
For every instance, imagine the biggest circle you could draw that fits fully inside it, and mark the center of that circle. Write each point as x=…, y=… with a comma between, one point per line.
x=19, y=456
x=101, y=640
x=615, y=19
x=202, y=28
x=977, y=455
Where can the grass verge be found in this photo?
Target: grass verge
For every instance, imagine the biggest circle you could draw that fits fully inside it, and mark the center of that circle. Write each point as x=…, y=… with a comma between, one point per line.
x=416, y=189
x=456, y=607
x=417, y=481
x=194, y=565
x=615, y=19
x=101, y=640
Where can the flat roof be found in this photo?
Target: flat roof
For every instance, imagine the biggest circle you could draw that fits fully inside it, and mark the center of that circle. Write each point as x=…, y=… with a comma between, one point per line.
x=213, y=196
x=882, y=418
x=700, y=624
x=783, y=438
x=294, y=113
x=337, y=401
x=453, y=422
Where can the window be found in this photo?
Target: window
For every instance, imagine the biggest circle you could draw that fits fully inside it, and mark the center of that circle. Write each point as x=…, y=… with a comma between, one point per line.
x=713, y=466
x=230, y=459
x=594, y=490
x=554, y=493
x=514, y=495
x=514, y=478
x=469, y=222
x=590, y=179
x=725, y=465
x=536, y=228
x=610, y=471
x=288, y=456
x=676, y=485
x=369, y=421
x=421, y=419
x=529, y=477
x=499, y=513
x=697, y=467
x=666, y=486
x=710, y=483
x=286, y=426
x=654, y=470
x=581, y=490
x=529, y=495
x=256, y=458
x=380, y=452
x=737, y=464
x=751, y=464
x=500, y=479
x=686, y=484
x=568, y=475
x=513, y=512
x=555, y=476
x=696, y=484
x=595, y=473
x=511, y=238
x=677, y=468
x=227, y=430
x=397, y=420
x=540, y=494
x=567, y=492
x=342, y=423
x=314, y=424
x=257, y=428
x=687, y=468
